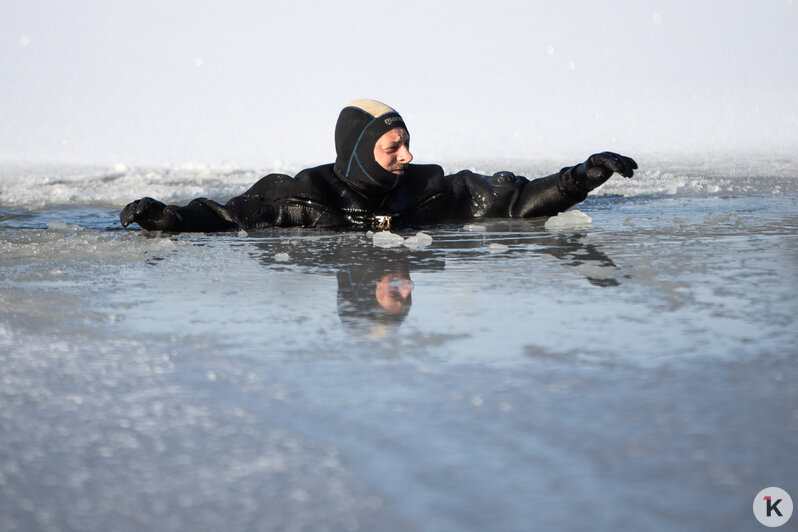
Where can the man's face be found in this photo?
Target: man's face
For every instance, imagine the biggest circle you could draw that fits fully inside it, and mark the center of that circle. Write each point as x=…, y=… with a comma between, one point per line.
x=394, y=292
x=392, y=150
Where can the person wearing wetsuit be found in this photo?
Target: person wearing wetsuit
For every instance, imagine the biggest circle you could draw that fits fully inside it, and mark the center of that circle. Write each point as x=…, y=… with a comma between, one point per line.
x=372, y=185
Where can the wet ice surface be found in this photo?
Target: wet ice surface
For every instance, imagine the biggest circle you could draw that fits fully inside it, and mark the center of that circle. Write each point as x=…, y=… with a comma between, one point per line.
x=521, y=377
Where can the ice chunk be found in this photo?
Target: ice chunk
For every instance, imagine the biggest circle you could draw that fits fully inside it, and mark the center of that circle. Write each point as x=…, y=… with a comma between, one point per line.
x=498, y=248
x=474, y=227
x=411, y=242
x=419, y=240
x=281, y=257
x=62, y=226
x=57, y=226
x=568, y=220
x=386, y=239
x=598, y=272
x=424, y=238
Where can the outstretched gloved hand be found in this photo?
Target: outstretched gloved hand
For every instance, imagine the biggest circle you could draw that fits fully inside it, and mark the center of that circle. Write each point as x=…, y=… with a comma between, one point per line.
x=150, y=214
x=600, y=166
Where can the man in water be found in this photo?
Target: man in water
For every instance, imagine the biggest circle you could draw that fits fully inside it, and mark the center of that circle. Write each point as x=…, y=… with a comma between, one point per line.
x=372, y=185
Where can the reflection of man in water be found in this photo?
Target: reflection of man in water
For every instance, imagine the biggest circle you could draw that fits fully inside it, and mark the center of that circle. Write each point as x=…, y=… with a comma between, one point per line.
x=375, y=286
x=373, y=185
x=371, y=300
x=375, y=290
x=394, y=292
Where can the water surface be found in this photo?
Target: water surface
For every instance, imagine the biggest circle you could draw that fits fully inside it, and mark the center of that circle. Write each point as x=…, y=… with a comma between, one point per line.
x=509, y=376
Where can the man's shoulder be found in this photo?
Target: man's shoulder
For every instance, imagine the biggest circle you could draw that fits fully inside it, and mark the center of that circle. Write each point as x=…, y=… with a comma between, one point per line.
x=321, y=171
x=319, y=179
x=426, y=170
x=423, y=175
x=280, y=184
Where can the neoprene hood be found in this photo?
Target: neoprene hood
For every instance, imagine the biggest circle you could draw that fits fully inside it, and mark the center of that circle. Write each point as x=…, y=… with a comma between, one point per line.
x=359, y=126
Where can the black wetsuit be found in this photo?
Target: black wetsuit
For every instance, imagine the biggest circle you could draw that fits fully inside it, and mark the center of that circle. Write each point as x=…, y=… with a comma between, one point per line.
x=316, y=197
x=356, y=192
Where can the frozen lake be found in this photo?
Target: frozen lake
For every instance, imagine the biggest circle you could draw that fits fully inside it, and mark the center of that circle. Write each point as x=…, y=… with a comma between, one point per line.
x=634, y=372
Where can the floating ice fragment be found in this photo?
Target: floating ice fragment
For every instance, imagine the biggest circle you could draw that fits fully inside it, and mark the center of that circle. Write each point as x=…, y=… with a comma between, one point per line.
x=597, y=272
x=61, y=226
x=568, y=220
x=474, y=227
x=424, y=238
x=78, y=400
x=300, y=495
x=242, y=234
x=419, y=240
x=386, y=239
x=281, y=257
x=411, y=242
x=498, y=248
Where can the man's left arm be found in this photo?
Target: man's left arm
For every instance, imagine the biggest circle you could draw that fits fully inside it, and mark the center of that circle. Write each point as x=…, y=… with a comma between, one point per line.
x=520, y=198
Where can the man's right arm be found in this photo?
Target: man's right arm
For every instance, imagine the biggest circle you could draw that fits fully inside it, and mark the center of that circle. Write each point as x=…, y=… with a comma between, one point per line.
x=253, y=208
x=201, y=215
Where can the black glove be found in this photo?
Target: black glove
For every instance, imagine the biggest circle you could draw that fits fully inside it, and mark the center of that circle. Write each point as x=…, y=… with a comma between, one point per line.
x=150, y=214
x=600, y=166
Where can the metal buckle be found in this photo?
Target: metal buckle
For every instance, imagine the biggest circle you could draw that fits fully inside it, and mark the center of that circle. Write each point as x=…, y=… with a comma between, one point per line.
x=382, y=222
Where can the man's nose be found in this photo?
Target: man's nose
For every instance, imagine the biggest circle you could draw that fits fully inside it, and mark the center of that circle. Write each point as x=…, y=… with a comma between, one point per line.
x=405, y=289
x=404, y=156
